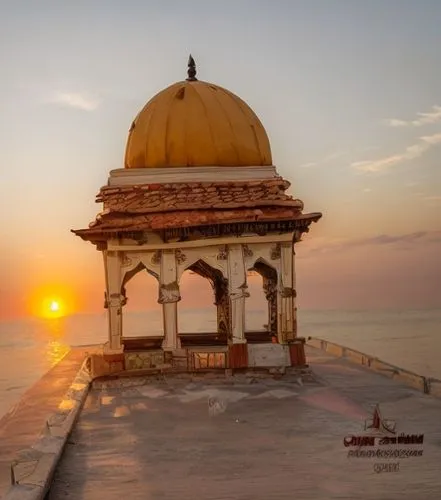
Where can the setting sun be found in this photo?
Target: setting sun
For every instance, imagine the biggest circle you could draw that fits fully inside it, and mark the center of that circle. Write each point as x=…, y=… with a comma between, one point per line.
x=53, y=308
x=52, y=301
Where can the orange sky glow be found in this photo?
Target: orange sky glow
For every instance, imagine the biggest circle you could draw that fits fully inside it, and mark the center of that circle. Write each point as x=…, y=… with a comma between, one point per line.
x=360, y=142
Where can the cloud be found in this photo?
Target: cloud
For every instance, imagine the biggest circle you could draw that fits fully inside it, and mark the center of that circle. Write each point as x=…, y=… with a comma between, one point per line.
x=75, y=100
x=430, y=117
x=410, y=153
x=320, y=246
x=327, y=159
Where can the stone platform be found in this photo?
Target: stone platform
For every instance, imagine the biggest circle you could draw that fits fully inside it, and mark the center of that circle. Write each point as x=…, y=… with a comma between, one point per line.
x=249, y=436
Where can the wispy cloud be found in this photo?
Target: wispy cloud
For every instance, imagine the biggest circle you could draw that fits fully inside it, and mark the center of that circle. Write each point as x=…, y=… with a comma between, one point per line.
x=410, y=153
x=432, y=116
x=401, y=241
x=327, y=159
x=75, y=100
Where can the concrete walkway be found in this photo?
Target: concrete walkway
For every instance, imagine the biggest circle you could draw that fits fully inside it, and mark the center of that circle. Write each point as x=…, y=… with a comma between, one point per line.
x=248, y=438
x=24, y=422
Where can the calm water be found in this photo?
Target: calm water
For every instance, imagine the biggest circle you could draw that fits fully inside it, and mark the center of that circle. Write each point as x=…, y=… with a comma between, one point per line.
x=409, y=339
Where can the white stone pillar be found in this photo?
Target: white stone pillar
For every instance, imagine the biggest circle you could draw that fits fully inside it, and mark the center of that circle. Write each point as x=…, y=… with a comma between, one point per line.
x=169, y=296
x=286, y=292
x=237, y=282
x=294, y=289
x=114, y=299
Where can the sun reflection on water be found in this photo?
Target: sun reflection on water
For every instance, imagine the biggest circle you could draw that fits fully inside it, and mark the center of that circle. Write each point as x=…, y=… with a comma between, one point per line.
x=56, y=347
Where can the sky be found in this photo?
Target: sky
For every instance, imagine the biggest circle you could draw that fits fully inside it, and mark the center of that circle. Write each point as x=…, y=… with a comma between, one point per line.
x=348, y=91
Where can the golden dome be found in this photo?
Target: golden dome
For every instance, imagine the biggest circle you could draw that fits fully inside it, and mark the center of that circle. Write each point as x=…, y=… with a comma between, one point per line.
x=194, y=123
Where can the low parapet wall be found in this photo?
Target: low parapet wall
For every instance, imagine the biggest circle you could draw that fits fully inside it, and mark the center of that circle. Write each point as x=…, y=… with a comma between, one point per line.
x=427, y=385
x=32, y=471
x=198, y=358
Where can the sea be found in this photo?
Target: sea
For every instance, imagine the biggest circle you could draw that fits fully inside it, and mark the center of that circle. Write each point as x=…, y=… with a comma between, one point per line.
x=410, y=339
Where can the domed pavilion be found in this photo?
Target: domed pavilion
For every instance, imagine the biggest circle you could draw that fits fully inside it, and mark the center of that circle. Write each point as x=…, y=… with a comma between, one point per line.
x=199, y=192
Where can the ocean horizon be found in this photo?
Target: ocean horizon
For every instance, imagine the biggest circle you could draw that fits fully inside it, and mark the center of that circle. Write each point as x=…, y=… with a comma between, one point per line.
x=29, y=347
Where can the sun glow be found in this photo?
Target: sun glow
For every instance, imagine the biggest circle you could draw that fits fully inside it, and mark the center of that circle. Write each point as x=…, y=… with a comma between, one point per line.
x=53, y=307
x=52, y=301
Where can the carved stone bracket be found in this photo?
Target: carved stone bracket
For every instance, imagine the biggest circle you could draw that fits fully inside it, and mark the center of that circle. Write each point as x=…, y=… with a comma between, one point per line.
x=156, y=259
x=169, y=293
x=180, y=256
x=275, y=252
x=223, y=253
x=126, y=262
x=247, y=252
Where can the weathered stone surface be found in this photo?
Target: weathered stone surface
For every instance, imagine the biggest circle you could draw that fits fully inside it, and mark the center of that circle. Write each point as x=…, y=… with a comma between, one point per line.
x=144, y=360
x=24, y=492
x=278, y=439
x=268, y=355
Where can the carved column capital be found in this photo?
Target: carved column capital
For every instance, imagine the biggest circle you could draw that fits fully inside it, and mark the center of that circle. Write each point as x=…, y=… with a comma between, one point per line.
x=169, y=293
x=287, y=292
x=115, y=300
x=239, y=293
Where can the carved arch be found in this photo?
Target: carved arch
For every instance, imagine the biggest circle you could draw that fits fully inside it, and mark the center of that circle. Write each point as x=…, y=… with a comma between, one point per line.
x=263, y=267
x=219, y=285
x=193, y=257
x=270, y=281
x=128, y=275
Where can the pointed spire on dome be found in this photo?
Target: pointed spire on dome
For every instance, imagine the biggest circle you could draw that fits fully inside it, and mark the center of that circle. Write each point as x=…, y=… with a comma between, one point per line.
x=191, y=72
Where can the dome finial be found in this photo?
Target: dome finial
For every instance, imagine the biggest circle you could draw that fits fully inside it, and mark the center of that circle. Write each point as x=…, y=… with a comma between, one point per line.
x=191, y=72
